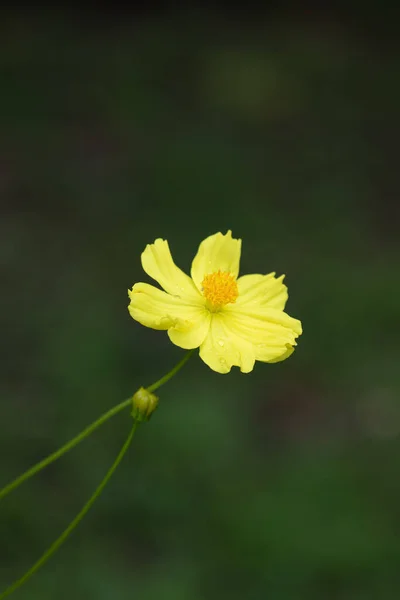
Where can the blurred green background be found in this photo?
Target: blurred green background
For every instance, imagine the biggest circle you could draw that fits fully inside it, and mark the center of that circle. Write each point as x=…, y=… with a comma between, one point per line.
x=281, y=484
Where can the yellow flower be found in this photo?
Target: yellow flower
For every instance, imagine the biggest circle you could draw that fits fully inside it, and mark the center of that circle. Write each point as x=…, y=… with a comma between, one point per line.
x=233, y=320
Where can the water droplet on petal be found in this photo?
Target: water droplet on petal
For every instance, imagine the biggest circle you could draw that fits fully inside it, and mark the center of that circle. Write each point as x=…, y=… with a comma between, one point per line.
x=220, y=342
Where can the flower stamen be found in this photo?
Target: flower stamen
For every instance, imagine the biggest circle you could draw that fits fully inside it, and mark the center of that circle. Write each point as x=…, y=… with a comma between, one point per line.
x=219, y=288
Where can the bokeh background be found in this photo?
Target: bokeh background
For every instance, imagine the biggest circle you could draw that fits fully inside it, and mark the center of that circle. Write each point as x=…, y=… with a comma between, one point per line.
x=117, y=128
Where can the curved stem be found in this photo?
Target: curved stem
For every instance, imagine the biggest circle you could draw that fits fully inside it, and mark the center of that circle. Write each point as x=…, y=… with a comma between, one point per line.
x=154, y=386
x=68, y=446
x=88, y=430
x=59, y=541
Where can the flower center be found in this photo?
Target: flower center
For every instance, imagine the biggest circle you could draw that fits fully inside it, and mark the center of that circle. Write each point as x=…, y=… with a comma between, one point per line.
x=219, y=288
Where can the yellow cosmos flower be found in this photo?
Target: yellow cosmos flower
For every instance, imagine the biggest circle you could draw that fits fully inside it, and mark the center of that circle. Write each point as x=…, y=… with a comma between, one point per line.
x=233, y=320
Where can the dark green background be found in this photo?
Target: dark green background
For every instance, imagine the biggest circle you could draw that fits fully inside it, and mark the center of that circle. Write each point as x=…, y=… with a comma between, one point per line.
x=282, y=484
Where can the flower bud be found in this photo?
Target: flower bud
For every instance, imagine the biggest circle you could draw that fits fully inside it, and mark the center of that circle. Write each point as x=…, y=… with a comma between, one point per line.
x=144, y=404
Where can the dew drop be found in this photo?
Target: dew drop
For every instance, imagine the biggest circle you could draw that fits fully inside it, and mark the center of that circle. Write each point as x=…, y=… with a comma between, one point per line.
x=220, y=342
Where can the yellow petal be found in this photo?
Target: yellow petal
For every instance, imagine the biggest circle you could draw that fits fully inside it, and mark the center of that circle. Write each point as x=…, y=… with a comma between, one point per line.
x=272, y=332
x=289, y=351
x=157, y=262
x=216, y=253
x=265, y=290
x=191, y=335
x=222, y=348
x=187, y=324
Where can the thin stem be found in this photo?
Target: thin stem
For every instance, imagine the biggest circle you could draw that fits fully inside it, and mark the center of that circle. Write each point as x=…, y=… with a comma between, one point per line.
x=59, y=541
x=86, y=432
x=168, y=376
x=68, y=446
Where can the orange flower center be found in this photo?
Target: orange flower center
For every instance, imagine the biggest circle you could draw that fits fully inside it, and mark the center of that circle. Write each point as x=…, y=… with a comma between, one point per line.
x=219, y=288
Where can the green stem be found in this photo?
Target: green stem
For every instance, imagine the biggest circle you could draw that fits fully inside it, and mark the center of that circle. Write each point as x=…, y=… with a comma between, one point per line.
x=86, y=432
x=154, y=386
x=68, y=446
x=59, y=541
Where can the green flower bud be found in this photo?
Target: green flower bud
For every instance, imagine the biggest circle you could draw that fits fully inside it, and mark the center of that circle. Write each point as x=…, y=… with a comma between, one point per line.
x=144, y=404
